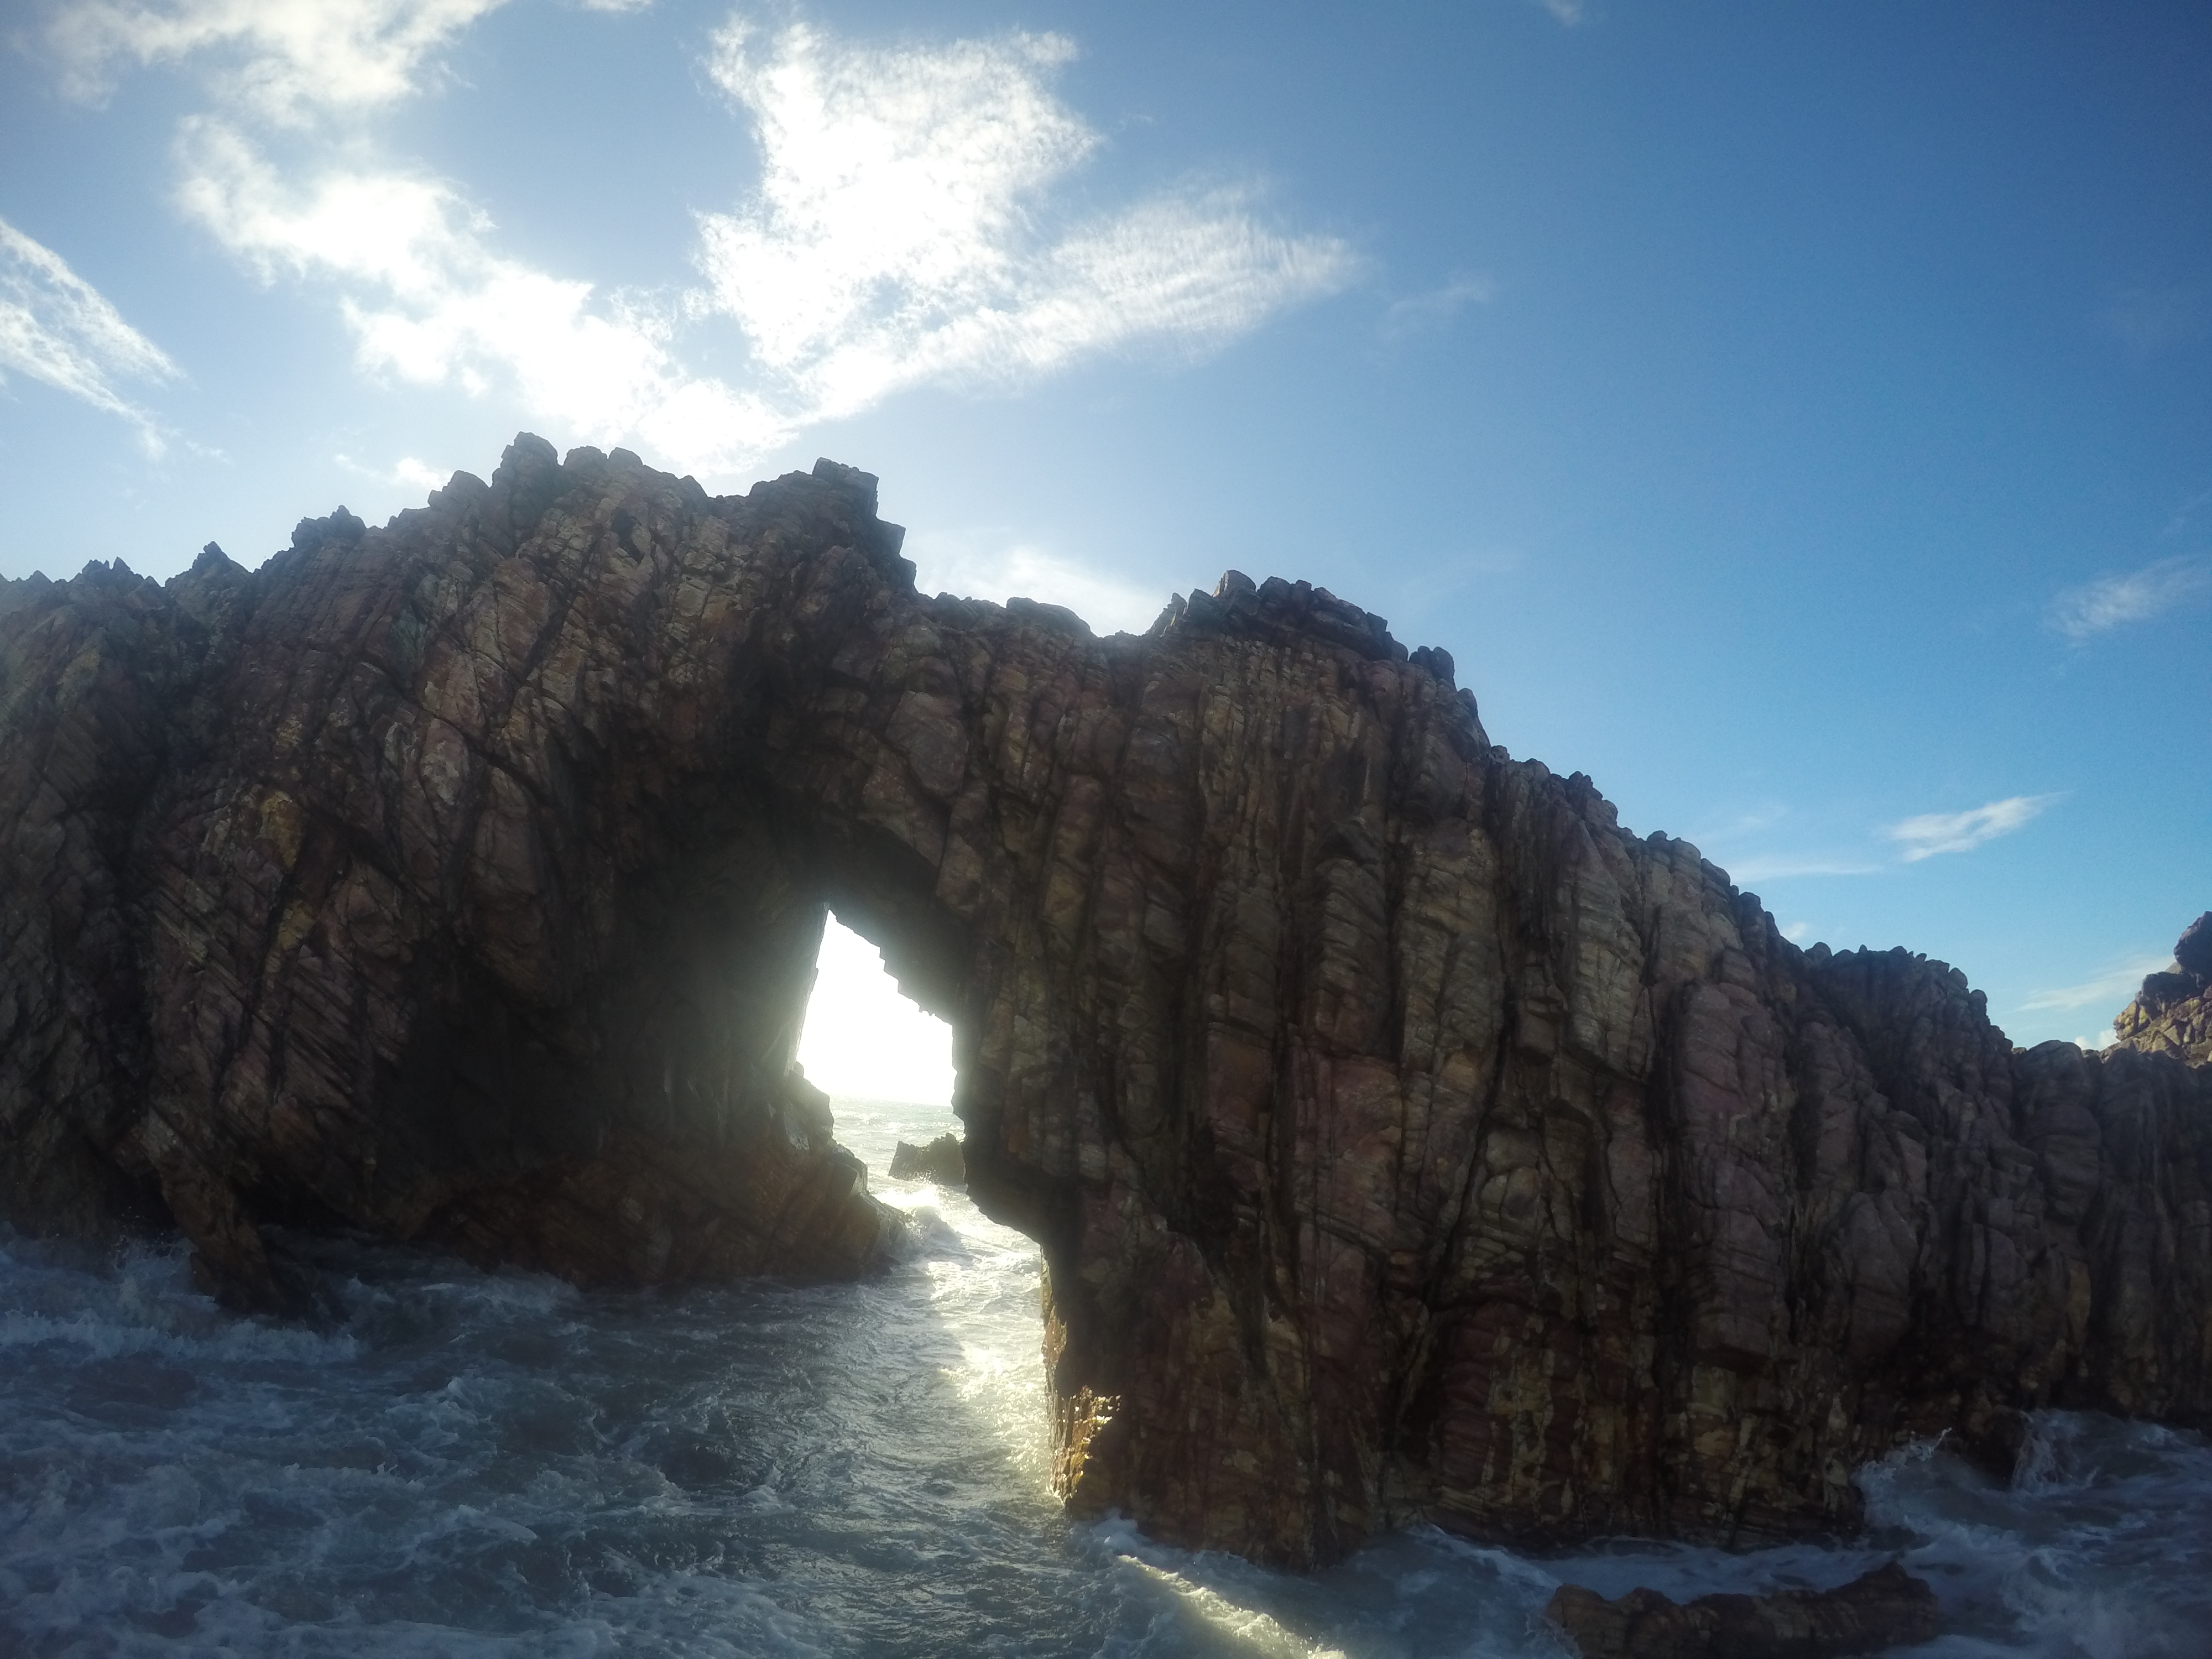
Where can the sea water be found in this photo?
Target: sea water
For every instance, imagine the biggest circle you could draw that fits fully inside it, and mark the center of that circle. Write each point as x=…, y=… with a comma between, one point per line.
x=484, y=1463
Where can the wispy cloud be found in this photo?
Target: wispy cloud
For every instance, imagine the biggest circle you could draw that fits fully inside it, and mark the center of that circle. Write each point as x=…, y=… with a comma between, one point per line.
x=1569, y=12
x=903, y=231
x=1420, y=312
x=898, y=236
x=2110, y=602
x=407, y=472
x=989, y=567
x=1782, y=866
x=286, y=60
x=57, y=328
x=2114, y=988
x=1931, y=833
x=1915, y=838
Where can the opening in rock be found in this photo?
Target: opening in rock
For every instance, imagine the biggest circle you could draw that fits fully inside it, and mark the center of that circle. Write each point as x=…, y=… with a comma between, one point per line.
x=886, y=1066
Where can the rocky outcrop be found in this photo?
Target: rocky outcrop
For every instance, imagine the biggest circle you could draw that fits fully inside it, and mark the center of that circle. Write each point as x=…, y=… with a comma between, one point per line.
x=939, y=1161
x=1404, y=1137
x=2172, y=1013
x=1883, y=1609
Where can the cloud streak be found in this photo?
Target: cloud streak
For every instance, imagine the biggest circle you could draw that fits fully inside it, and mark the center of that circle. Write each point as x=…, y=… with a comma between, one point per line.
x=1934, y=833
x=2098, y=607
x=57, y=328
x=2114, y=989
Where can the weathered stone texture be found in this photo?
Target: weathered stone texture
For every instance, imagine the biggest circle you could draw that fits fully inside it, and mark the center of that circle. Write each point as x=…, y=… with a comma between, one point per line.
x=1404, y=1139
x=2172, y=1013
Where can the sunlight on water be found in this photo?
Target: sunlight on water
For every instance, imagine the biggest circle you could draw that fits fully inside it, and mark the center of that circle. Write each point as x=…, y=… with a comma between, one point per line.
x=480, y=1464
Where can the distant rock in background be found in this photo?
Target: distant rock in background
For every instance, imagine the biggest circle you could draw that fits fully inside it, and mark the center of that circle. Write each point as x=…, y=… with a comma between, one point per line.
x=1886, y=1608
x=939, y=1161
x=2172, y=1012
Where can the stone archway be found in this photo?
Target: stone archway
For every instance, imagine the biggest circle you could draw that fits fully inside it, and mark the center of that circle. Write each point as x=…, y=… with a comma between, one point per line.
x=1403, y=1138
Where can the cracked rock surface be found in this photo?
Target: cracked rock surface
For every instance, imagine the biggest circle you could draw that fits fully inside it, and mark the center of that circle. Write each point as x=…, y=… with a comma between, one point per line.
x=1404, y=1139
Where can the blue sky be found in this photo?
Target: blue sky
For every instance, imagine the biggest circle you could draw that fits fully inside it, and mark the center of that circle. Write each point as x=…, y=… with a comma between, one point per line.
x=1798, y=418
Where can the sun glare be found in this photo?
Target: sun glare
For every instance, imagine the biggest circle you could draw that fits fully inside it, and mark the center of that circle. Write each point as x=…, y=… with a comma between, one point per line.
x=865, y=1041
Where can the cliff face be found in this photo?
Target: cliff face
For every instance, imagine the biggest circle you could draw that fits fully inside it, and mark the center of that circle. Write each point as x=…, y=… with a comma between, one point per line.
x=1403, y=1138
x=2172, y=1013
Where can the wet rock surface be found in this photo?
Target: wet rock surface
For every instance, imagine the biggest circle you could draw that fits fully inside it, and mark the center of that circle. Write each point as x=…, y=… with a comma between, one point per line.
x=2172, y=1013
x=939, y=1161
x=1883, y=1609
x=1405, y=1138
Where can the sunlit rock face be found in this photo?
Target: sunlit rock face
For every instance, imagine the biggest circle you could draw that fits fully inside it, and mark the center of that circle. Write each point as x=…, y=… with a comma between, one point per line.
x=2172, y=1013
x=1404, y=1139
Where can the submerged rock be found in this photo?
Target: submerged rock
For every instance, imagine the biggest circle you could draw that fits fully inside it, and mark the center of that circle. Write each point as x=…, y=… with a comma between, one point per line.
x=939, y=1161
x=1886, y=1608
x=1405, y=1138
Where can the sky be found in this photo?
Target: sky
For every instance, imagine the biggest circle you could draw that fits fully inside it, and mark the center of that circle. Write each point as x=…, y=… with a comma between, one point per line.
x=1799, y=419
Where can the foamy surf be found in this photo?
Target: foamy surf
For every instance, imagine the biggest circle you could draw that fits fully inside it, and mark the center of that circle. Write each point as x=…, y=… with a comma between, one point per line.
x=495, y=1464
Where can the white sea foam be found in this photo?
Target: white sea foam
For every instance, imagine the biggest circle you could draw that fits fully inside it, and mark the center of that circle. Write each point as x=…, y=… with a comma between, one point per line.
x=478, y=1464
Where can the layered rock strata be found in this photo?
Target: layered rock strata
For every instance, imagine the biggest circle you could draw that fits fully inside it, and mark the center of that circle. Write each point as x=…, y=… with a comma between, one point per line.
x=1404, y=1137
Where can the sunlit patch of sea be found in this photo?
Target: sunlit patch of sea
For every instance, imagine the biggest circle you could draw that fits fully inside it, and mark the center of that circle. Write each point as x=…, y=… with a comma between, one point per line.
x=480, y=1463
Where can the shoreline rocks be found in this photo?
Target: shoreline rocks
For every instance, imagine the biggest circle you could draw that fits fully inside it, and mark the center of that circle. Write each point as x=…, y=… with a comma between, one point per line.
x=939, y=1161
x=1886, y=1608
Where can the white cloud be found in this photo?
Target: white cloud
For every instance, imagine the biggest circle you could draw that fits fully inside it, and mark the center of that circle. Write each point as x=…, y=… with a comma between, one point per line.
x=1798, y=932
x=57, y=327
x=1569, y=12
x=407, y=472
x=284, y=59
x=983, y=568
x=897, y=238
x=1931, y=833
x=2098, y=607
x=430, y=303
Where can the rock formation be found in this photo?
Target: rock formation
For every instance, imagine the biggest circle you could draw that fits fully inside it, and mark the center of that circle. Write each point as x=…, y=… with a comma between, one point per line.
x=2172, y=1013
x=1404, y=1139
x=1883, y=1609
x=939, y=1161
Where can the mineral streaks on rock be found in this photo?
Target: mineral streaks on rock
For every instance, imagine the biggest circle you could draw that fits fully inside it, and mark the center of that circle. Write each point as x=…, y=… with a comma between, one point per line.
x=1404, y=1139
x=2172, y=1013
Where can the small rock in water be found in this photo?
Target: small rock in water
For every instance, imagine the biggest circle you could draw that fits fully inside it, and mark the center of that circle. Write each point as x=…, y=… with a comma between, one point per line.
x=940, y=1162
x=1886, y=1608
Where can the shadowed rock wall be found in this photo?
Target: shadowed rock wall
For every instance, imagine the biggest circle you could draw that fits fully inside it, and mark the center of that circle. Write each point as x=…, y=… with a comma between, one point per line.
x=1404, y=1139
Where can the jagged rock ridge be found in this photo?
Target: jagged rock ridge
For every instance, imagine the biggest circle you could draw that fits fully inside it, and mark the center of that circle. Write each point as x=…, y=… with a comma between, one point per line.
x=1403, y=1138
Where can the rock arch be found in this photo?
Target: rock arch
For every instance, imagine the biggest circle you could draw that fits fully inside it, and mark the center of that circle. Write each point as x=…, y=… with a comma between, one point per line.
x=1403, y=1138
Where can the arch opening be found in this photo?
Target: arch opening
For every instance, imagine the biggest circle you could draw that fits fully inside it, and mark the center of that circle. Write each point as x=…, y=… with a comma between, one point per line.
x=865, y=1039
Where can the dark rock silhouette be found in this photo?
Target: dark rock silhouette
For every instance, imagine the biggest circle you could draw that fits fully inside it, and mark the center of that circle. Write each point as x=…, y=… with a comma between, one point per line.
x=1404, y=1139
x=1883, y=1609
x=939, y=1161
